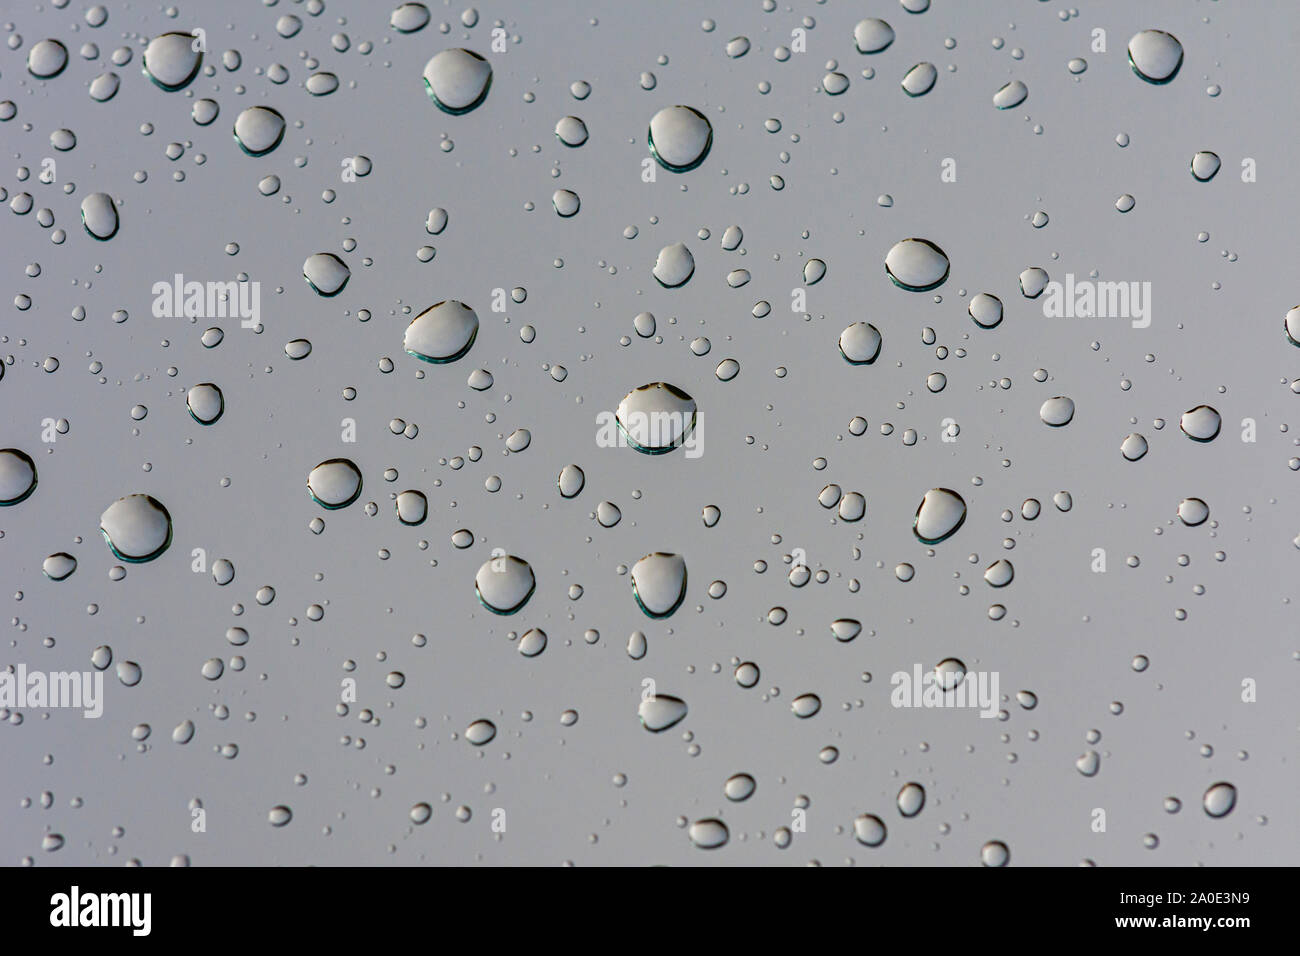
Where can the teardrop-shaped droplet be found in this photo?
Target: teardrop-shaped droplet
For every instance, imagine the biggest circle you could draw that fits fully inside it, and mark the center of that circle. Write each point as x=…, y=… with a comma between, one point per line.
x=1219, y=799
x=326, y=273
x=206, y=403
x=171, y=60
x=916, y=265
x=674, y=266
x=334, y=483
x=660, y=712
x=939, y=515
x=1011, y=95
x=860, y=343
x=813, y=271
x=709, y=834
x=504, y=583
x=872, y=35
x=920, y=79
x=17, y=476
x=659, y=583
x=656, y=418
x=99, y=216
x=441, y=333
x=1155, y=56
x=137, y=528
x=457, y=80
x=259, y=129
x=679, y=138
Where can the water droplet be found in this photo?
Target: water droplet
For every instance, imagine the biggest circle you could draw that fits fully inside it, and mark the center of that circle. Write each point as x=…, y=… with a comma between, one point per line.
x=995, y=853
x=457, y=80
x=872, y=35
x=739, y=787
x=441, y=333
x=1155, y=56
x=1201, y=423
x=47, y=59
x=334, y=483
x=258, y=130
x=171, y=61
x=986, y=310
x=206, y=403
x=911, y=799
x=1219, y=799
x=504, y=584
x=480, y=732
x=679, y=138
x=674, y=266
x=1193, y=511
x=1011, y=95
x=660, y=712
x=1205, y=165
x=916, y=265
x=939, y=515
x=571, y=481
x=99, y=216
x=17, y=476
x=709, y=834
x=137, y=528
x=659, y=583
x=869, y=829
x=1057, y=412
x=59, y=566
x=860, y=343
x=920, y=79
x=656, y=418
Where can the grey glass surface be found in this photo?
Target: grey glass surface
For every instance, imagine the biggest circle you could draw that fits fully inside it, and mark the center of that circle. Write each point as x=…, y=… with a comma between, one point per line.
x=1211, y=606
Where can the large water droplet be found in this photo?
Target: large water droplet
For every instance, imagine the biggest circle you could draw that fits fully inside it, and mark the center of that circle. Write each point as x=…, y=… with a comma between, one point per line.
x=1219, y=799
x=59, y=566
x=674, y=266
x=939, y=515
x=659, y=583
x=1201, y=423
x=171, y=61
x=441, y=333
x=480, y=732
x=17, y=476
x=1205, y=165
x=869, y=829
x=860, y=343
x=206, y=403
x=1057, y=412
x=660, y=712
x=99, y=216
x=47, y=59
x=995, y=853
x=679, y=138
x=739, y=787
x=1193, y=511
x=916, y=265
x=911, y=799
x=326, y=273
x=656, y=418
x=137, y=528
x=709, y=834
x=920, y=79
x=504, y=584
x=259, y=129
x=986, y=310
x=1011, y=95
x=1155, y=56
x=335, y=483
x=872, y=35
x=457, y=80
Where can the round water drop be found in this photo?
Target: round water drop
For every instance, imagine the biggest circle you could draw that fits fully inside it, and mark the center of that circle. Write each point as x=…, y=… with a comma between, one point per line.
x=739, y=787
x=205, y=403
x=916, y=265
x=105, y=86
x=1032, y=282
x=223, y=571
x=806, y=705
x=504, y=583
x=571, y=481
x=659, y=583
x=872, y=35
x=409, y=17
x=99, y=216
x=1088, y=764
x=860, y=343
x=480, y=732
x=1219, y=799
x=1134, y=447
x=656, y=418
x=679, y=138
x=1205, y=165
x=457, y=80
x=1057, y=412
x=47, y=59
x=660, y=712
x=1011, y=95
x=674, y=266
x=986, y=310
x=566, y=203
x=17, y=476
x=59, y=566
x=869, y=829
x=326, y=273
x=171, y=61
x=995, y=853
x=137, y=528
x=920, y=79
x=571, y=131
x=1155, y=56
x=322, y=83
x=412, y=507
x=846, y=629
x=939, y=515
x=335, y=483
x=533, y=642
x=1193, y=511
x=709, y=834
x=1000, y=573
x=441, y=333
x=1201, y=423
x=259, y=129
x=911, y=799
